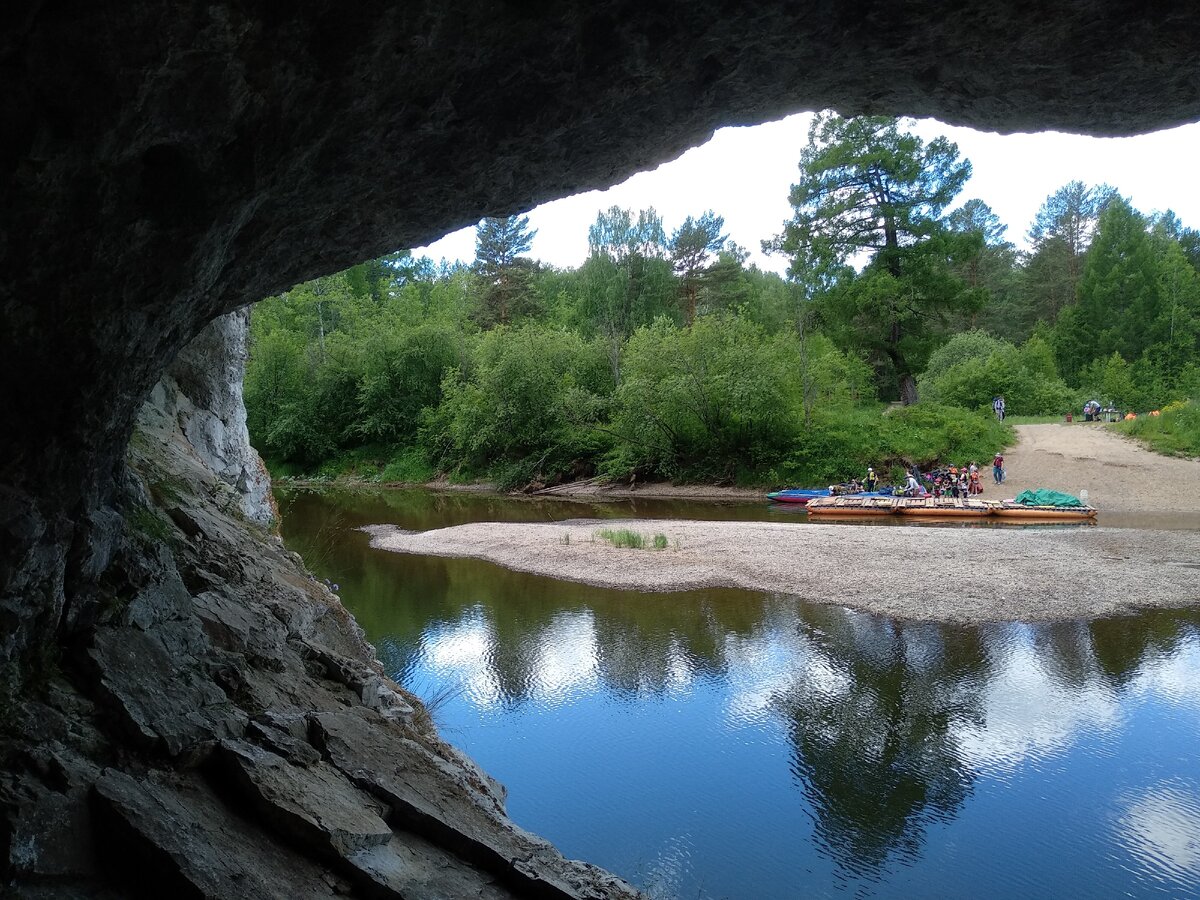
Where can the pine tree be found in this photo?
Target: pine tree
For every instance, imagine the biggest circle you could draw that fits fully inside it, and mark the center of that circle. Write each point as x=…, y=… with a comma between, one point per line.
x=869, y=189
x=504, y=273
x=693, y=246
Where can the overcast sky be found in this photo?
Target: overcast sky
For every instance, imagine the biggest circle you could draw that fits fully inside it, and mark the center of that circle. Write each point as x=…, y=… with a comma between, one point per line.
x=744, y=175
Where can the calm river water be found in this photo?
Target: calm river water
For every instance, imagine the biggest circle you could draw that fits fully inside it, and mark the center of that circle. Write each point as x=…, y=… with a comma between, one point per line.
x=732, y=744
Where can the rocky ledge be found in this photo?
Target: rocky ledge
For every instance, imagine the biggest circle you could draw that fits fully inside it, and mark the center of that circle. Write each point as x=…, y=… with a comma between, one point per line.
x=222, y=729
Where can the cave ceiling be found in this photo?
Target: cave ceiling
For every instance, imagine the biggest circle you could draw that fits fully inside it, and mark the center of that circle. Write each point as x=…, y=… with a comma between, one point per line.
x=165, y=162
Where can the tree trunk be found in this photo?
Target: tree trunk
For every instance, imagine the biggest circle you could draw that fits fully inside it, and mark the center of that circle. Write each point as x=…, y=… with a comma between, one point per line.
x=908, y=389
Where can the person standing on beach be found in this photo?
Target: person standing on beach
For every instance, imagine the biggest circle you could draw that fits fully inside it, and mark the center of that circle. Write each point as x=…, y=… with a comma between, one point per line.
x=998, y=468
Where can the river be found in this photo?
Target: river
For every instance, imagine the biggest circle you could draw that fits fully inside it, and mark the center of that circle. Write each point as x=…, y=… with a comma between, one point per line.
x=724, y=743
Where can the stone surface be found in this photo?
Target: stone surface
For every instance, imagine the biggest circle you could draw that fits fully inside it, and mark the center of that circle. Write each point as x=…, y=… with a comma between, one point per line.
x=203, y=390
x=189, y=845
x=188, y=740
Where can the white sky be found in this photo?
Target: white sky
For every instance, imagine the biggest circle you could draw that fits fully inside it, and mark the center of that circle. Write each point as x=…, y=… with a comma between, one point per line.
x=744, y=174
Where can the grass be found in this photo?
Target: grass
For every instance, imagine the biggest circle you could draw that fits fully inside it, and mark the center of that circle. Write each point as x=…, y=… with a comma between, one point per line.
x=371, y=463
x=1176, y=432
x=623, y=538
x=409, y=465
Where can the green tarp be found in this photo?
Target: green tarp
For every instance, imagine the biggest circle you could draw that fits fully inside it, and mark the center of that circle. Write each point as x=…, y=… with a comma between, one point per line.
x=1043, y=497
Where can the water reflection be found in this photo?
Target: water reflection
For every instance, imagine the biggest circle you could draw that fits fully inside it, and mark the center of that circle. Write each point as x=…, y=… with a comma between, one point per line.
x=723, y=743
x=1162, y=829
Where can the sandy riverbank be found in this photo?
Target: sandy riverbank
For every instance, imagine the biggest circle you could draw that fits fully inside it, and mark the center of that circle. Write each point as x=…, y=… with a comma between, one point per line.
x=950, y=575
x=1119, y=474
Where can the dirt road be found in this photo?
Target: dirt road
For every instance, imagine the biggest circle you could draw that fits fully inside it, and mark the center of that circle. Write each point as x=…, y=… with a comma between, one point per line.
x=1118, y=474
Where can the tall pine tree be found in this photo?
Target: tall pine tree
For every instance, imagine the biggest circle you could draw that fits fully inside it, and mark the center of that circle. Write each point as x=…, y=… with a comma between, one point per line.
x=872, y=193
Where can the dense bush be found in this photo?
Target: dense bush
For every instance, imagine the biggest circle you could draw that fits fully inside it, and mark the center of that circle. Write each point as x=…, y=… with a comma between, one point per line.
x=973, y=367
x=706, y=402
x=518, y=411
x=841, y=446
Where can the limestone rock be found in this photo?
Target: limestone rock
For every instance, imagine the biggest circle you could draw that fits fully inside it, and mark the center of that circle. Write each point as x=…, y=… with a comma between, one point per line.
x=313, y=806
x=188, y=845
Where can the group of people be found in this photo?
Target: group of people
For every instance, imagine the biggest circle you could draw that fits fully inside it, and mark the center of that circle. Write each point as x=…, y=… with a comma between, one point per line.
x=956, y=481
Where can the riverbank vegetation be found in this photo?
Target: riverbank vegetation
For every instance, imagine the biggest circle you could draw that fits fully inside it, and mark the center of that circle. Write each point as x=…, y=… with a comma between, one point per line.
x=666, y=355
x=1175, y=431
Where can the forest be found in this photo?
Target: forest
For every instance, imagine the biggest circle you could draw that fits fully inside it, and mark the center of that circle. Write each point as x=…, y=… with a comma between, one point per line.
x=904, y=311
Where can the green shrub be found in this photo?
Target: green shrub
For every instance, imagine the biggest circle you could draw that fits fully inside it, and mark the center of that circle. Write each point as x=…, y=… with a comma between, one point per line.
x=710, y=402
x=1176, y=431
x=841, y=445
x=521, y=410
x=623, y=538
x=660, y=542
x=974, y=367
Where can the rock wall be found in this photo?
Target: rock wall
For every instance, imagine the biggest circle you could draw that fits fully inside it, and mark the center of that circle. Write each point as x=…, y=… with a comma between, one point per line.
x=220, y=727
x=202, y=391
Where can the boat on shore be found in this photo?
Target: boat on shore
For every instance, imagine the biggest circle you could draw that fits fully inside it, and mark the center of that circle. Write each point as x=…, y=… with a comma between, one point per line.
x=853, y=506
x=1010, y=509
x=946, y=508
x=805, y=495
x=943, y=507
x=798, y=495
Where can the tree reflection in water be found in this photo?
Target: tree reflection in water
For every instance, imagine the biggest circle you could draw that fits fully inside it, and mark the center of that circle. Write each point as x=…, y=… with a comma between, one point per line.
x=871, y=715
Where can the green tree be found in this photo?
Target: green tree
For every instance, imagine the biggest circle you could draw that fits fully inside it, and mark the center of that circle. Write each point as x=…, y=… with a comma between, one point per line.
x=628, y=279
x=994, y=270
x=1060, y=235
x=618, y=235
x=872, y=192
x=693, y=246
x=1138, y=297
x=504, y=273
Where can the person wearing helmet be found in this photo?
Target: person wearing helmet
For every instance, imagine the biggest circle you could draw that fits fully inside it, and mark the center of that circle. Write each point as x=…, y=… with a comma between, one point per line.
x=871, y=482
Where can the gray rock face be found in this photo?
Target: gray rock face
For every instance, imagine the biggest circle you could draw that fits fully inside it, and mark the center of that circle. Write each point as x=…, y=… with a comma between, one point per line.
x=219, y=727
x=203, y=390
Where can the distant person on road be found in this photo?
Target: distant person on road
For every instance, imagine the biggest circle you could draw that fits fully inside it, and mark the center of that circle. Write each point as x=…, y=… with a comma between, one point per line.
x=998, y=408
x=998, y=468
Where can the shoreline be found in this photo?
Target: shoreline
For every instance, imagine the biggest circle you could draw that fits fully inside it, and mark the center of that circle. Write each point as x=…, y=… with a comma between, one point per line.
x=576, y=490
x=962, y=576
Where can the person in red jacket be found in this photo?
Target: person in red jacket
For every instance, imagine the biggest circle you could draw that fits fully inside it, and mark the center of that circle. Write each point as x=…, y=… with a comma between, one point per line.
x=998, y=468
